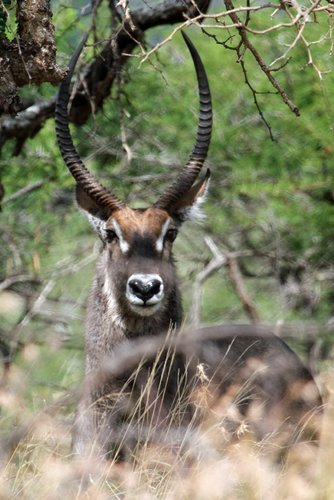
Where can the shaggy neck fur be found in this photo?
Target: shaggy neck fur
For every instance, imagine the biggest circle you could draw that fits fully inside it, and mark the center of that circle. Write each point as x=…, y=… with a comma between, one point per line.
x=110, y=321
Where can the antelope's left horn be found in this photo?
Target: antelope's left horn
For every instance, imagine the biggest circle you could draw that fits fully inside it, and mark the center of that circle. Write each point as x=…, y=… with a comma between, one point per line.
x=189, y=173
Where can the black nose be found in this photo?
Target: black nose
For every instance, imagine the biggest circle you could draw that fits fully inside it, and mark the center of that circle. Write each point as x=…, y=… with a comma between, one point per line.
x=144, y=290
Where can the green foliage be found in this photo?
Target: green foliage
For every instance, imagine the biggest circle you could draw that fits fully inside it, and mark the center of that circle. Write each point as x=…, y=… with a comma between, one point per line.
x=6, y=19
x=268, y=200
x=271, y=203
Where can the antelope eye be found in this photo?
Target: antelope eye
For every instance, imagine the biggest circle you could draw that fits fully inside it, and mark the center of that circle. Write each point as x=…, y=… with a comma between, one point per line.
x=111, y=235
x=171, y=234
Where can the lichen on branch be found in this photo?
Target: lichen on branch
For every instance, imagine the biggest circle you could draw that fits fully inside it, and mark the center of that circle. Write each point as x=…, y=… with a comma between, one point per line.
x=31, y=56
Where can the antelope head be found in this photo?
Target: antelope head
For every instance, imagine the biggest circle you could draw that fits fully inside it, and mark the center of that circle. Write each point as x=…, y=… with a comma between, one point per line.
x=138, y=242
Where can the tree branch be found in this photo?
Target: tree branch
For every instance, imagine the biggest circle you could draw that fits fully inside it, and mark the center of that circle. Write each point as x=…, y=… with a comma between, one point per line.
x=248, y=45
x=24, y=191
x=31, y=56
x=215, y=263
x=26, y=124
x=98, y=76
x=21, y=278
x=238, y=283
x=220, y=259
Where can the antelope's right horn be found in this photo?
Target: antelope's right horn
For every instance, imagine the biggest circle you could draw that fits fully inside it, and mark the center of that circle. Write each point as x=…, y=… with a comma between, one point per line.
x=87, y=181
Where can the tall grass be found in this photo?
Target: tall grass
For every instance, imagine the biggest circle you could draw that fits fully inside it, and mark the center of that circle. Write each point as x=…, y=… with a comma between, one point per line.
x=199, y=457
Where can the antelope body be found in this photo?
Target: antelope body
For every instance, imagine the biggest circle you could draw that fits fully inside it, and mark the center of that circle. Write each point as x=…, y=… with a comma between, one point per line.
x=135, y=292
x=217, y=383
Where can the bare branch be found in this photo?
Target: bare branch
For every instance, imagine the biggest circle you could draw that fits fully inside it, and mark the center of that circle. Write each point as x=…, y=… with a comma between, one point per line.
x=215, y=263
x=239, y=286
x=220, y=259
x=248, y=45
x=26, y=124
x=98, y=77
x=12, y=280
x=24, y=191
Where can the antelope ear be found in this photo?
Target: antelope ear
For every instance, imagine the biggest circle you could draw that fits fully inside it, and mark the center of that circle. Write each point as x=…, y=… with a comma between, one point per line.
x=96, y=214
x=189, y=206
x=87, y=204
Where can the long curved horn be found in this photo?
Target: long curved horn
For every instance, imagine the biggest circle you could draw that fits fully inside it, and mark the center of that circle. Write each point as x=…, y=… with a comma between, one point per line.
x=102, y=196
x=193, y=167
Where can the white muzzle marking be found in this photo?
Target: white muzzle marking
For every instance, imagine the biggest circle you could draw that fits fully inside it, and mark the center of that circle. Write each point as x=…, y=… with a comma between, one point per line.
x=144, y=293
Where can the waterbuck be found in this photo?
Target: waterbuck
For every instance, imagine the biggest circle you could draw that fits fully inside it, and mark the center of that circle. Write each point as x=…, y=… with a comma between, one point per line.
x=135, y=296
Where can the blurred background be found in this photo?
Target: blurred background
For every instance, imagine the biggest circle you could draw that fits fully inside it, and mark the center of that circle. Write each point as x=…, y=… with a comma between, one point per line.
x=264, y=252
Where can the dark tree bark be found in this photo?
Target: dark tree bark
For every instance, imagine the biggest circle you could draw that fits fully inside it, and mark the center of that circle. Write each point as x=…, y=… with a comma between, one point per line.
x=31, y=56
x=26, y=124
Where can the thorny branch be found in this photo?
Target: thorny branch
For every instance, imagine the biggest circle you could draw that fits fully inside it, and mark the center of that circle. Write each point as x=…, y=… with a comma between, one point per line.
x=249, y=46
x=299, y=17
x=99, y=75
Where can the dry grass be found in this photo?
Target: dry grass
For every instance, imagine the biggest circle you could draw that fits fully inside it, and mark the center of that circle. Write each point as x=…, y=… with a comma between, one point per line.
x=36, y=460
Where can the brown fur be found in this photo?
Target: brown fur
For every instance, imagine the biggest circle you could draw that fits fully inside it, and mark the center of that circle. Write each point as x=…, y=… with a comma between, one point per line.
x=135, y=296
x=223, y=382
